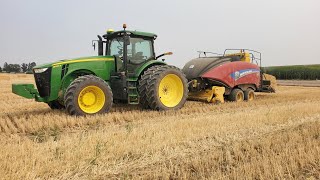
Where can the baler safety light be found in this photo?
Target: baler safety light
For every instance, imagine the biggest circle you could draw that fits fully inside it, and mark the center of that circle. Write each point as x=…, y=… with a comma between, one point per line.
x=40, y=70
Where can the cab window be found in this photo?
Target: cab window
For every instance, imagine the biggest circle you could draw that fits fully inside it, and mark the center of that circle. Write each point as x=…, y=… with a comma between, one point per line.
x=116, y=47
x=141, y=49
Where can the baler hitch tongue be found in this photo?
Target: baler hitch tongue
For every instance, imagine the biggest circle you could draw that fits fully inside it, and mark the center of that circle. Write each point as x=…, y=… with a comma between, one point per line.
x=25, y=90
x=213, y=95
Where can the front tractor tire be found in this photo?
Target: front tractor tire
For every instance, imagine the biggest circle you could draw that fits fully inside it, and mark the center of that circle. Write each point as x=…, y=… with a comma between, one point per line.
x=88, y=95
x=163, y=87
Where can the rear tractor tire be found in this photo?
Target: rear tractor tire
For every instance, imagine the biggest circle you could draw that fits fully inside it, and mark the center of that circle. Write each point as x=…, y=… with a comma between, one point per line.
x=88, y=95
x=142, y=88
x=163, y=87
x=249, y=95
x=236, y=95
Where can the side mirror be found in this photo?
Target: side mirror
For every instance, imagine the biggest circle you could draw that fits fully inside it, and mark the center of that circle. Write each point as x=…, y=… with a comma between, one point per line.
x=94, y=44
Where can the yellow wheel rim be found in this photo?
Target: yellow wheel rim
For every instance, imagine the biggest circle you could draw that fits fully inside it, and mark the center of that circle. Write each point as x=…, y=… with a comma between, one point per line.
x=240, y=97
x=251, y=96
x=171, y=90
x=91, y=99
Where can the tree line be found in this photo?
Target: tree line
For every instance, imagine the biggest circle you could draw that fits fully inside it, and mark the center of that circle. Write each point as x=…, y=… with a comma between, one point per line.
x=16, y=68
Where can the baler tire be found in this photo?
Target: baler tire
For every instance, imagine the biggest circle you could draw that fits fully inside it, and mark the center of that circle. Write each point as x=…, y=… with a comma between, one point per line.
x=174, y=79
x=80, y=84
x=235, y=95
x=55, y=105
x=249, y=94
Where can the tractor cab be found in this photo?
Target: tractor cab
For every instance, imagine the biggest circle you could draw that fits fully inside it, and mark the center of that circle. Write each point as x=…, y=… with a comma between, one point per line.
x=131, y=49
x=139, y=51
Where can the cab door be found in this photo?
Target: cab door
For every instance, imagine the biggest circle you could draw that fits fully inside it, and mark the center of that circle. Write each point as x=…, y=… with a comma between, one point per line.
x=118, y=78
x=140, y=51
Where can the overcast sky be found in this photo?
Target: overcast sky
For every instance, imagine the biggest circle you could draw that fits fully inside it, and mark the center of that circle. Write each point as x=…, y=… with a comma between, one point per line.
x=287, y=32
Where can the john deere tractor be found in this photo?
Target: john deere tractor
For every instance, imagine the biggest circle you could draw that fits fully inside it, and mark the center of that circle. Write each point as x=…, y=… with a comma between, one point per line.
x=125, y=70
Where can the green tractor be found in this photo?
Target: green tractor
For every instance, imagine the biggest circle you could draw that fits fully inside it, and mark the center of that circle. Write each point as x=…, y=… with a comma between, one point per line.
x=125, y=70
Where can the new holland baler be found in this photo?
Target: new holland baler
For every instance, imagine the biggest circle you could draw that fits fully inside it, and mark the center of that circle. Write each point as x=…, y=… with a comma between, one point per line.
x=234, y=76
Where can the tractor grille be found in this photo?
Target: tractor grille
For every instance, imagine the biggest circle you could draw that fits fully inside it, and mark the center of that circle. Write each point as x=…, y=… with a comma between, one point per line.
x=43, y=82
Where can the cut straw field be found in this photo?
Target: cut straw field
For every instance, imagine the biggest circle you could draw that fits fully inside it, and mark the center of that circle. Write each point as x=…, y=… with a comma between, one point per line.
x=277, y=136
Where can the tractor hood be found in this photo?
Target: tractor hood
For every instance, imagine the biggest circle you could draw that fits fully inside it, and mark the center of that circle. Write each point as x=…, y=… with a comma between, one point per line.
x=76, y=60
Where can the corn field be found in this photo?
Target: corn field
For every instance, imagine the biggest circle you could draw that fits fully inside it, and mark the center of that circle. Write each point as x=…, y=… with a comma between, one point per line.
x=298, y=72
x=277, y=136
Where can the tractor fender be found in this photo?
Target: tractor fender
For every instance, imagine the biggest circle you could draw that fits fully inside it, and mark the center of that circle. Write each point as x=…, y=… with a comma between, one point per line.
x=70, y=77
x=147, y=65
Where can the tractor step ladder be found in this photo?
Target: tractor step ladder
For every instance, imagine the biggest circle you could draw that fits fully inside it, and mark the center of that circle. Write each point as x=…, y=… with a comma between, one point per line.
x=133, y=94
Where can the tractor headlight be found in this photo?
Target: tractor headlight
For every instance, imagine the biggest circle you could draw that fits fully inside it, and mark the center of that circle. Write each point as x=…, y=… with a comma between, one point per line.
x=40, y=70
